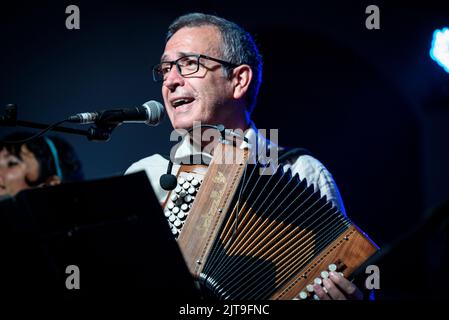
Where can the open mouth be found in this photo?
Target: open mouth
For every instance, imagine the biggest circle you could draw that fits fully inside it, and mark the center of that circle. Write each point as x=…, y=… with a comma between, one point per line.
x=182, y=103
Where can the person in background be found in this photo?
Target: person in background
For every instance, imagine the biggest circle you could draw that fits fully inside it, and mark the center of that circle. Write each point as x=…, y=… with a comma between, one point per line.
x=44, y=161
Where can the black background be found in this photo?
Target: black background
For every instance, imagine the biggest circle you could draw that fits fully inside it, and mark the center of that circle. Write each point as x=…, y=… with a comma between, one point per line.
x=370, y=104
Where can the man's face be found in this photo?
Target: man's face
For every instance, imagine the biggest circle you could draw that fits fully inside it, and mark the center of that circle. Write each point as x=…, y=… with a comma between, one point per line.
x=15, y=172
x=207, y=92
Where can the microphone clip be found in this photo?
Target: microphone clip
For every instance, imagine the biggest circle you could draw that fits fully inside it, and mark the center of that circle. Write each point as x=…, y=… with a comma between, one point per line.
x=101, y=131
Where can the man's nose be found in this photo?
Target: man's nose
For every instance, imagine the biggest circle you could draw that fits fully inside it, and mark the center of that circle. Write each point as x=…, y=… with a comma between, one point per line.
x=173, y=79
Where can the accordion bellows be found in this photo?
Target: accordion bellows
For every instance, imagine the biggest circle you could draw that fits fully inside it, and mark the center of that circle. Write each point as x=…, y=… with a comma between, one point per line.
x=250, y=236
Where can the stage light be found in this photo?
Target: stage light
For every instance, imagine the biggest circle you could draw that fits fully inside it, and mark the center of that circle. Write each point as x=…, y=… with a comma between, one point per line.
x=439, y=50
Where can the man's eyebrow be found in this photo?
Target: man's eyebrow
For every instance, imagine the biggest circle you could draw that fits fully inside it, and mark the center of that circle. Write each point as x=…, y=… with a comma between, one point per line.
x=179, y=55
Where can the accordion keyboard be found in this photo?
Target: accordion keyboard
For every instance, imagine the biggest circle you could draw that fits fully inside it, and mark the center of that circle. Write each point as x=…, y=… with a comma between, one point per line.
x=180, y=200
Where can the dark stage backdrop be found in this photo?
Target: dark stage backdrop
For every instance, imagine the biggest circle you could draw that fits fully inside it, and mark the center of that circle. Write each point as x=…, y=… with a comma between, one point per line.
x=370, y=104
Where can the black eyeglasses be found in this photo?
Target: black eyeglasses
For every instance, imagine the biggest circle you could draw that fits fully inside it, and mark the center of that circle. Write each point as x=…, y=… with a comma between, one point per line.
x=186, y=65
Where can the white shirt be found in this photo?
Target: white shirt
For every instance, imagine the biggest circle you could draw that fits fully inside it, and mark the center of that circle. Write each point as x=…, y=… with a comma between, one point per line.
x=306, y=166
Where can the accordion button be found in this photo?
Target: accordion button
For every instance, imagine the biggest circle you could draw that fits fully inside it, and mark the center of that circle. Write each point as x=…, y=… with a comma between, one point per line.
x=195, y=182
x=177, y=223
x=178, y=189
x=167, y=213
x=332, y=267
x=174, y=197
x=184, y=207
x=188, y=198
x=303, y=295
x=315, y=297
x=181, y=181
x=174, y=231
x=181, y=215
x=318, y=281
x=172, y=218
x=179, y=201
x=309, y=288
x=191, y=190
x=189, y=178
x=182, y=193
x=186, y=185
x=324, y=274
x=175, y=210
x=170, y=205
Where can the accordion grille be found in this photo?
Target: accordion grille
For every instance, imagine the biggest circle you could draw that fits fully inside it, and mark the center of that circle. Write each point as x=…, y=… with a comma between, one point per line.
x=277, y=225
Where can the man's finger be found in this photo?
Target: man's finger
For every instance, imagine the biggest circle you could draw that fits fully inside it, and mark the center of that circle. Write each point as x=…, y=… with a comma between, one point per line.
x=346, y=286
x=319, y=291
x=332, y=290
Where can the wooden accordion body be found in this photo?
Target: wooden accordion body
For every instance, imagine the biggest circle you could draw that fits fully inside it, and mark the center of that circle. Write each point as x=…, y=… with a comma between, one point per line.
x=250, y=236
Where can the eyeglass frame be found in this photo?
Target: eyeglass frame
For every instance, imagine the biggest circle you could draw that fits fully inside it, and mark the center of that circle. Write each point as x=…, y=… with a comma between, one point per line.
x=198, y=56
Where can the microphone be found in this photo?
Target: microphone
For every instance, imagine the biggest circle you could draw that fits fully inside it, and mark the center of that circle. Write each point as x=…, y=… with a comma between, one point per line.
x=150, y=113
x=168, y=180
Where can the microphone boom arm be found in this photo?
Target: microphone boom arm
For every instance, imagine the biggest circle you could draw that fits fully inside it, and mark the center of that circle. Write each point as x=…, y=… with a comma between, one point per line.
x=98, y=132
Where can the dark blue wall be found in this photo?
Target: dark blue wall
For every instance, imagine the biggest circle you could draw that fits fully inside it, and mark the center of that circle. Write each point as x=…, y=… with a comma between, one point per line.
x=371, y=105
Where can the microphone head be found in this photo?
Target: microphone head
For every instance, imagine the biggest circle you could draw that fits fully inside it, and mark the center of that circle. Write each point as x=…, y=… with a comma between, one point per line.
x=168, y=182
x=156, y=112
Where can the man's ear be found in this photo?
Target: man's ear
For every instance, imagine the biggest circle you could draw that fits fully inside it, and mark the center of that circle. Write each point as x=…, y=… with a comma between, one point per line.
x=52, y=181
x=241, y=79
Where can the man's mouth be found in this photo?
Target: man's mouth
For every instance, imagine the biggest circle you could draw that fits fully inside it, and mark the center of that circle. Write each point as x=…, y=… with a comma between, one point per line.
x=182, y=104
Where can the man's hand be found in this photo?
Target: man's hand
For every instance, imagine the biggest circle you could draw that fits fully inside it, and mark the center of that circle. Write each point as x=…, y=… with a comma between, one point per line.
x=338, y=288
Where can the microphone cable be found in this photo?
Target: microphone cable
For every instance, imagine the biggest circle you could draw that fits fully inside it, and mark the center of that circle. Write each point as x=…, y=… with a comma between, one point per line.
x=37, y=135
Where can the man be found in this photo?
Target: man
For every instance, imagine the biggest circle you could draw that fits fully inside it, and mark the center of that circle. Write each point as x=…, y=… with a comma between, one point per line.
x=44, y=161
x=211, y=72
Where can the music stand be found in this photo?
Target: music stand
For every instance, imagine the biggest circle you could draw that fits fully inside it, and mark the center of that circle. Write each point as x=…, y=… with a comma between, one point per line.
x=112, y=229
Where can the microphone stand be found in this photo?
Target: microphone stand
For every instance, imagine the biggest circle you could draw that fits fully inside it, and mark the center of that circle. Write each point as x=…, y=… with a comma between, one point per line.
x=99, y=132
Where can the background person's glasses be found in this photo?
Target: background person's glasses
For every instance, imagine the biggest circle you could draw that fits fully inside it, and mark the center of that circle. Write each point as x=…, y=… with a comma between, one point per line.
x=186, y=65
